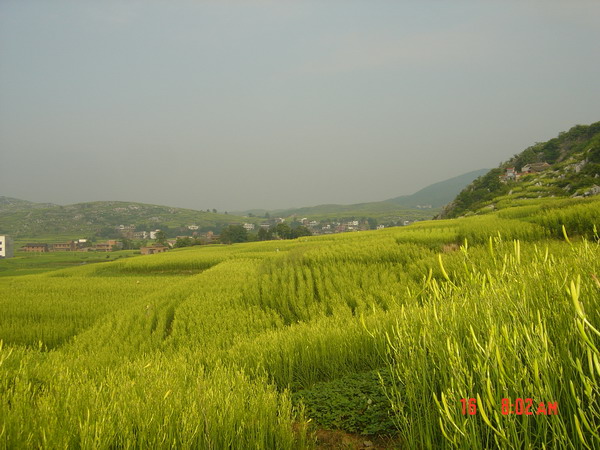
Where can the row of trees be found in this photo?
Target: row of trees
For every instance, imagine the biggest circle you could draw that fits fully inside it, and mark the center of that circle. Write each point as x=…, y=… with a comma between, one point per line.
x=237, y=233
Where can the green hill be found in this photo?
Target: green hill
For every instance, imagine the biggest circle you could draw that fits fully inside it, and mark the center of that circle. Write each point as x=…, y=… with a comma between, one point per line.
x=22, y=219
x=28, y=220
x=569, y=166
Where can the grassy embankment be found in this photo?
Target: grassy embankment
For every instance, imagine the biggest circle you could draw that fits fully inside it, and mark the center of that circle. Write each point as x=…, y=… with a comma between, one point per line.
x=35, y=263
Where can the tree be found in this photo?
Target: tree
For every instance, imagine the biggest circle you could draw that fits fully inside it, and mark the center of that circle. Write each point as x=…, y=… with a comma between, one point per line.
x=283, y=230
x=300, y=231
x=184, y=242
x=127, y=244
x=263, y=234
x=234, y=234
x=161, y=237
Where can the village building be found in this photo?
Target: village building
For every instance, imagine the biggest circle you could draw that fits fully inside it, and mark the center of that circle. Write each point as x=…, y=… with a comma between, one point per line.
x=107, y=246
x=535, y=167
x=103, y=247
x=153, y=234
x=126, y=231
x=248, y=226
x=6, y=247
x=153, y=249
x=511, y=174
x=70, y=246
x=38, y=248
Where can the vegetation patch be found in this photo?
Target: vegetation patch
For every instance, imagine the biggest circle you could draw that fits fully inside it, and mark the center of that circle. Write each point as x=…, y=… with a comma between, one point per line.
x=354, y=403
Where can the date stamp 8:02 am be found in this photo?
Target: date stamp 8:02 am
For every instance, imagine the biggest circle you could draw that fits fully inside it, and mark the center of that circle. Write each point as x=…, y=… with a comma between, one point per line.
x=518, y=407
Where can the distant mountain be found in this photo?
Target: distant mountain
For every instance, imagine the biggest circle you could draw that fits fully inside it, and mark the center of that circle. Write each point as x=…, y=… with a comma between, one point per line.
x=566, y=166
x=423, y=204
x=21, y=218
x=24, y=219
x=438, y=194
x=8, y=204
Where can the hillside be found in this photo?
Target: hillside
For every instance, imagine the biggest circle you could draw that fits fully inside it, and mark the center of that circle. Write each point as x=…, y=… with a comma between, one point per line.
x=566, y=166
x=9, y=204
x=23, y=219
x=423, y=204
x=438, y=194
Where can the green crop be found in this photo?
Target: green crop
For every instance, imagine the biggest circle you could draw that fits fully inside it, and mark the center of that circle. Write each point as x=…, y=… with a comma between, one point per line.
x=206, y=347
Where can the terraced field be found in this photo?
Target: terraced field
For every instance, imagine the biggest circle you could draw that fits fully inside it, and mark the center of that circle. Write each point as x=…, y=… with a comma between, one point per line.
x=440, y=334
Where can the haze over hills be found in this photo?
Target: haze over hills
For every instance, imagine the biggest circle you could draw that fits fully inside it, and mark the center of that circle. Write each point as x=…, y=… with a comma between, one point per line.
x=565, y=166
x=438, y=194
x=430, y=198
x=22, y=218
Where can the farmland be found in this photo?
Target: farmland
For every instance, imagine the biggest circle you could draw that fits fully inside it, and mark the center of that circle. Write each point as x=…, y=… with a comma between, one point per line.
x=261, y=345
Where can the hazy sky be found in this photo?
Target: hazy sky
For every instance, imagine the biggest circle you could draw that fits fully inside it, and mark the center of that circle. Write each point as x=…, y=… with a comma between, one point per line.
x=266, y=104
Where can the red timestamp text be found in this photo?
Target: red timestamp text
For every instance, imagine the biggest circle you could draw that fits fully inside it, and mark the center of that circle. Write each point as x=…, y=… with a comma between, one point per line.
x=518, y=407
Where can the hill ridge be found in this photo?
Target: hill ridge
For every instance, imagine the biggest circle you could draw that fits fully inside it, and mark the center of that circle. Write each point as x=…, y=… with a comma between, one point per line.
x=572, y=169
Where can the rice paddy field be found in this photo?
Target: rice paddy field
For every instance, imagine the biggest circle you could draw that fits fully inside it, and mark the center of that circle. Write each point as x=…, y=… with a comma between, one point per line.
x=479, y=332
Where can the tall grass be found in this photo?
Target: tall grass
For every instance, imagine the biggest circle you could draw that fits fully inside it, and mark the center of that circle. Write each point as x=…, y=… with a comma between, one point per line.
x=201, y=348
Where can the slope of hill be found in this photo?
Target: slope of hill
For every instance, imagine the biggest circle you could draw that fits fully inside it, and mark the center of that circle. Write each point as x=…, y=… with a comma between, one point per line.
x=423, y=204
x=9, y=204
x=438, y=194
x=22, y=219
x=566, y=166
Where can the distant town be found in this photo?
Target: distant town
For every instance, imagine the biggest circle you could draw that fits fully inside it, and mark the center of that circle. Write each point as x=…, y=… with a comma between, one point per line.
x=157, y=241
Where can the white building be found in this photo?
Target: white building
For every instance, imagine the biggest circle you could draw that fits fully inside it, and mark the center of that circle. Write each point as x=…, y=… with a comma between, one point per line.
x=153, y=234
x=249, y=226
x=193, y=227
x=6, y=247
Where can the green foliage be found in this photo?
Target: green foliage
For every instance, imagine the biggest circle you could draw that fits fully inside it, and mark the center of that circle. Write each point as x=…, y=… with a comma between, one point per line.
x=283, y=231
x=593, y=155
x=577, y=146
x=482, y=189
x=185, y=242
x=300, y=231
x=233, y=234
x=355, y=403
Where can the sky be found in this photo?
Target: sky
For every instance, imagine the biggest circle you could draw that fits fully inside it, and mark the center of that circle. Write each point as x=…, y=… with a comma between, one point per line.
x=236, y=105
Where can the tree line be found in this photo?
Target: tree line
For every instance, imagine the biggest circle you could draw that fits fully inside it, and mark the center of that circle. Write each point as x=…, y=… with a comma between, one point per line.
x=237, y=233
